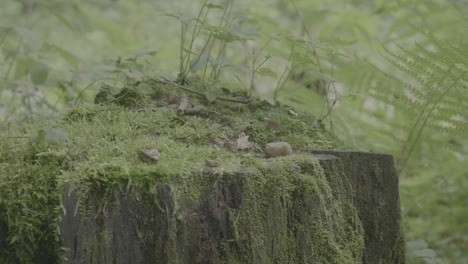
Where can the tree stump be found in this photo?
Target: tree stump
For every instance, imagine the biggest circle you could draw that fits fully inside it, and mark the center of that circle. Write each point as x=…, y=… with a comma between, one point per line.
x=328, y=207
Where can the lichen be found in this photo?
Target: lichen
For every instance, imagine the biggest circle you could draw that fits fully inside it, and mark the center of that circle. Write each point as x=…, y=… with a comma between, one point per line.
x=288, y=211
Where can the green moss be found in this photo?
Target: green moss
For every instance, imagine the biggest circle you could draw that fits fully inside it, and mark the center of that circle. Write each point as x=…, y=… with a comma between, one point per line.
x=286, y=213
x=101, y=153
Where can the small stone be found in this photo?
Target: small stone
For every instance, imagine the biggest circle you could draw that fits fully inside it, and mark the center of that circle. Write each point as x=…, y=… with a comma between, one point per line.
x=173, y=99
x=277, y=149
x=149, y=155
x=212, y=163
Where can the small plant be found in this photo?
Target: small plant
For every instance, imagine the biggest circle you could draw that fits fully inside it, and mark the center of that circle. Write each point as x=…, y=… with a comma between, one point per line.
x=130, y=70
x=26, y=75
x=257, y=60
x=210, y=59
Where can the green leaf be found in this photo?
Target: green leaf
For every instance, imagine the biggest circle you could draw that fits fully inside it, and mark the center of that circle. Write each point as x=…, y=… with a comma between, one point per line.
x=318, y=75
x=199, y=63
x=298, y=40
x=145, y=88
x=267, y=72
x=183, y=20
x=106, y=68
x=245, y=29
x=301, y=58
x=223, y=33
x=39, y=74
x=71, y=58
x=225, y=90
x=212, y=28
x=133, y=74
x=69, y=23
x=145, y=54
x=210, y=5
x=29, y=39
x=210, y=97
x=23, y=66
x=426, y=253
x=49, y=136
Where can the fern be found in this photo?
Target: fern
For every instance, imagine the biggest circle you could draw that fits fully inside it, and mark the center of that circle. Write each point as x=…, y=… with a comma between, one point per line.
x=427, y=93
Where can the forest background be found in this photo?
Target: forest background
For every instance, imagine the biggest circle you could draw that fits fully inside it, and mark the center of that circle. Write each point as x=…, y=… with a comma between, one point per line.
x=383, y=76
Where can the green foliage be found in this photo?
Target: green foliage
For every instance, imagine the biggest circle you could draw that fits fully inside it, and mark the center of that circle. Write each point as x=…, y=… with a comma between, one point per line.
x=413, y=104
x=426, y=96
x=28, y=200
x=436, y=92
x=35, y=70
x=209, y=60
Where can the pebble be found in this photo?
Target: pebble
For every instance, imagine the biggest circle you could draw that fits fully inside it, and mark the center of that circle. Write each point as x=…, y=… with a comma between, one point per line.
x=149, y=155
x=277, y=149
x=212, y=163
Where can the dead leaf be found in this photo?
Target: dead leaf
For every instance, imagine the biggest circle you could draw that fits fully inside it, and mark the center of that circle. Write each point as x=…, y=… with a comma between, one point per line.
x=243, y=142
x=184, y=104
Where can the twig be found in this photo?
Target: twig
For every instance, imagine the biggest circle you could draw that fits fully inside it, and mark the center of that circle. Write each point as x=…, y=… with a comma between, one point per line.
x=233, y=100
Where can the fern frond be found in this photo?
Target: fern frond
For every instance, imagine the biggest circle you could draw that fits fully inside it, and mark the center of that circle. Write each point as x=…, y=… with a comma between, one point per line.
x=427, y=94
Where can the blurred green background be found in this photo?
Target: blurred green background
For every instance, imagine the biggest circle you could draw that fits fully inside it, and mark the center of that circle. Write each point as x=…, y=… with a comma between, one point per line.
x=384, y=76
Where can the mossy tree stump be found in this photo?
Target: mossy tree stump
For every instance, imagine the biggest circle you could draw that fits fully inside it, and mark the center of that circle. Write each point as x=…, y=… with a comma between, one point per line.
x=318, y=213
x=86, y=179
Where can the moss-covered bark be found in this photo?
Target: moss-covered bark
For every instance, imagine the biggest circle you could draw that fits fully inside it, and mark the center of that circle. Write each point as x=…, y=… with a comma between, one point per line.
x=376, y=199
x=277, y=211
